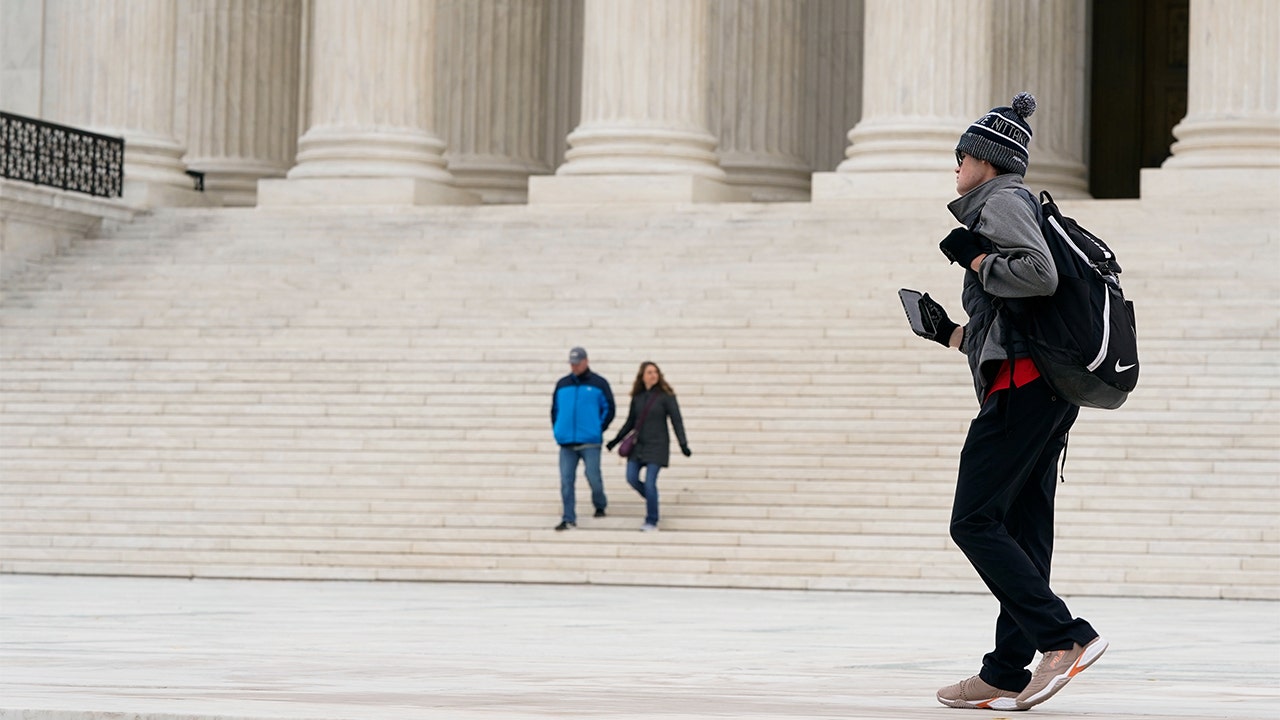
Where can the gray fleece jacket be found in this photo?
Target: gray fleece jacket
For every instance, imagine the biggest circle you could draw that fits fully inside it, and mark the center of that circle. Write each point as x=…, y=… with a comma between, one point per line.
x=1018, y=265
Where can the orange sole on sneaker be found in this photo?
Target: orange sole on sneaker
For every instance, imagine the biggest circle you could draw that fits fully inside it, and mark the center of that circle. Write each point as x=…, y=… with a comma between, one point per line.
x=1091, y=653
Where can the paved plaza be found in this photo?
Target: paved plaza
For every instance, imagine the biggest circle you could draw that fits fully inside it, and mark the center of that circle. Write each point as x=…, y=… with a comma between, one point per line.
x=73, y=648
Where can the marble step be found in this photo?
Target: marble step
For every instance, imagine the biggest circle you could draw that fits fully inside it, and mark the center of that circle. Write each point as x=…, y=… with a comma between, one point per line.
x=276, y=394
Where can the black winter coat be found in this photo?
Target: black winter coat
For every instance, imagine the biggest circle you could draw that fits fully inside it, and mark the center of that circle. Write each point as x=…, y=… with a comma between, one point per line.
x=653, y=442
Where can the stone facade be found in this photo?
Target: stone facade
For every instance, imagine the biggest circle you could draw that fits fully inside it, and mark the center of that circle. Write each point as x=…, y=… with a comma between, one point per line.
x=619, y=101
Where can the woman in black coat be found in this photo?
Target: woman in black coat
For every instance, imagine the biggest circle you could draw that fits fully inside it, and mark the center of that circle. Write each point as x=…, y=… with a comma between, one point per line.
x=653, y=402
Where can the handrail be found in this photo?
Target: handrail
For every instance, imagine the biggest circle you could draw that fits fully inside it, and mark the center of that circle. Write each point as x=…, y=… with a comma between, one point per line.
x=58, y=156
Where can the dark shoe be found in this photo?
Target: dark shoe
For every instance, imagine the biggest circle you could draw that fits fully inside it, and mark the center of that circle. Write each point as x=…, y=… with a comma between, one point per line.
x=566, y=525
x=1056, y=668
x=599, y=512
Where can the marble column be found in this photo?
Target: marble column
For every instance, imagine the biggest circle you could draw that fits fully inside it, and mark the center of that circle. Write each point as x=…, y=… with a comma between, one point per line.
x=1228, y=145
x=927, y=75
x=109, y=68
x=21, y=50
x=644, y=132
x=564, y=78
x=832, y=79
x=491, y=57
x=1043, y=49
x=755, y=90
x=370, y=139
x=242, y=93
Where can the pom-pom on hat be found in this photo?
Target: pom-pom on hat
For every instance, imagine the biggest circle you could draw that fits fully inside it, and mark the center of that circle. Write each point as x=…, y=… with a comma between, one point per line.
x=1000, y=137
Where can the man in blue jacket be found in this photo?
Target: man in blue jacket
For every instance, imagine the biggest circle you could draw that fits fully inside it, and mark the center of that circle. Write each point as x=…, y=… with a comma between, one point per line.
x=581, y=408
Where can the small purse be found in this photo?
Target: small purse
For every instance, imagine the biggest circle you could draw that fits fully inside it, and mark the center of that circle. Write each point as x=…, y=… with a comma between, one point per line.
x=629, y=442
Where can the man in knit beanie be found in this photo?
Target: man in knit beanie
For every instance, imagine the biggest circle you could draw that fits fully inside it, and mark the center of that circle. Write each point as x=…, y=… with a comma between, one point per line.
x=1001, y=136
x=1002, y=514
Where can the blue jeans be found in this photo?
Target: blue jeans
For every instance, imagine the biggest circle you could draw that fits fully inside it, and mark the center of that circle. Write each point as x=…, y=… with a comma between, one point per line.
x=590, y=456
x=647, y=489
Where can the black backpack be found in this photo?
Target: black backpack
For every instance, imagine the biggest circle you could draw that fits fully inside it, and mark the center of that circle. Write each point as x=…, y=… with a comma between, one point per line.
x=1082, y=338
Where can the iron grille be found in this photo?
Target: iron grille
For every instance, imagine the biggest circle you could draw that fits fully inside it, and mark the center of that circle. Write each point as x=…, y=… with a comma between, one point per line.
x=64, y=157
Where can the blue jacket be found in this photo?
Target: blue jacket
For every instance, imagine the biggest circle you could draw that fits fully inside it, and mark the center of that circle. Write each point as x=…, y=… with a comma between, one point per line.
x=581, y=408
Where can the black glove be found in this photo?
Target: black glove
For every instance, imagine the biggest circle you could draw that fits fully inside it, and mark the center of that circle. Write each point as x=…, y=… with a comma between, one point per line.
x=937, y=326
x=611, y=445
x=685, y=449
x=962, y=246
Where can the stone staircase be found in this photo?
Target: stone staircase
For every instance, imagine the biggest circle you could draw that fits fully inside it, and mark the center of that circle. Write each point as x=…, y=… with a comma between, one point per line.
x=361, y=394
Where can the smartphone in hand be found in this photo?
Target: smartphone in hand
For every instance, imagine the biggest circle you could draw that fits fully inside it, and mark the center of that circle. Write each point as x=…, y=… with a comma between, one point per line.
x=911, y=304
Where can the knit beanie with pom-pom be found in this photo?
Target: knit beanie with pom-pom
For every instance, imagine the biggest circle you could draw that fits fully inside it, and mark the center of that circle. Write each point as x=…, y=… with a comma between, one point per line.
x=1000, y=137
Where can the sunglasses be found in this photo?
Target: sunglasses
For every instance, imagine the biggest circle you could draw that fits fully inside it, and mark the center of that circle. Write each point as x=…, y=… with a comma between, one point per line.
x=960, y=157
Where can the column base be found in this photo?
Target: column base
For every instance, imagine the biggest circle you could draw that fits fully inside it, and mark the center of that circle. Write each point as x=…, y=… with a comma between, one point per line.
x=1065, y=179
x=360, y=191
x=631, y=190
x=233, y=182
x=1212, y=189
x=154, y=174
x=938, y=185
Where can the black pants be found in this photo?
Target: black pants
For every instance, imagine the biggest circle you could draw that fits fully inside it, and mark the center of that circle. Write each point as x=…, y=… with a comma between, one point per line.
x=1002, y=519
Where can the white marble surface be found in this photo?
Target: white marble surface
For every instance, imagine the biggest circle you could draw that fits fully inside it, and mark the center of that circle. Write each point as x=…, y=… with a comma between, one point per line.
x=642, y=188
x=242, y=83
x=341, y=191
x=37, y=221
x=1233, y=102
x=20, y=53
x=85, y=647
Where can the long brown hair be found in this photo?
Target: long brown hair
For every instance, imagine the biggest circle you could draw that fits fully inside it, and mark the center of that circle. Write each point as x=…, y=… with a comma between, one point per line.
x=638, y=386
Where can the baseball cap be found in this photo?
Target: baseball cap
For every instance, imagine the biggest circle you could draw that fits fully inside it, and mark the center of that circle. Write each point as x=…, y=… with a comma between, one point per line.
x=577, y=355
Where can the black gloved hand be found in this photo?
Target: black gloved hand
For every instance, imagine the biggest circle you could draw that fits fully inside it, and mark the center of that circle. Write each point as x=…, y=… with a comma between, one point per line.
x=685, y=449
x=962, y=246
x=937, y=326
x=611, y=445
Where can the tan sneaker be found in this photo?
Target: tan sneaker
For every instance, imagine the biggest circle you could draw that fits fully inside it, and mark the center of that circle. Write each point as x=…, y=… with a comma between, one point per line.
x=1056, y=668
x=976, y=694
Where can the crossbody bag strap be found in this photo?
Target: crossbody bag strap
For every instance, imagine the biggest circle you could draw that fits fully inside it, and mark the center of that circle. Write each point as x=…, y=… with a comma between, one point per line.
x=645, y=413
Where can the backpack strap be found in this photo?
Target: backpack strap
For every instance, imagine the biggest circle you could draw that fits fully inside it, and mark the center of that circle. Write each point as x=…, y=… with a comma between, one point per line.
x=1036, y=207
x=1002, y=313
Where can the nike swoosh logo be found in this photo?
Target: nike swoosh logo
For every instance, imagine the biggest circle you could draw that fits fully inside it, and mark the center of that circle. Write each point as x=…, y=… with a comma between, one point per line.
x=1122, y=368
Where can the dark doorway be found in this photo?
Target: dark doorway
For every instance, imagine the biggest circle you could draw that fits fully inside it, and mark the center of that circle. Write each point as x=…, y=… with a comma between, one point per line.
x=1138, y=89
